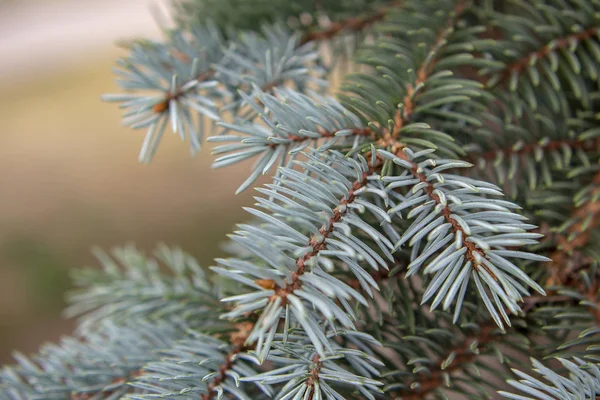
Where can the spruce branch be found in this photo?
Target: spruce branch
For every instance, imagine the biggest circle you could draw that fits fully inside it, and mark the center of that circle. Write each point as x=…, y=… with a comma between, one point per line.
x=222, y=372
x=204, y=76
x=476, y=255
x=393, y=96
x=325, y=124
x=429, y=357
x=97, y=365
x=317, y=242
x=582, y=382
x=279, y=294
x=578, y=229
x=206, y=73
x=129, y=293
x=187, y=369
x=521, y=65
x=284, y=293
x=308, y=375
x=443, y=218
x=456, y=360
x=275, y=294
x=292, y=360
x=549, y=49
x=406, y=107
x=306, y=16
x=528, y=153
x=574, y=317
x=349, y=24
x=367, y=188
x=545, y=145
x=133, y=285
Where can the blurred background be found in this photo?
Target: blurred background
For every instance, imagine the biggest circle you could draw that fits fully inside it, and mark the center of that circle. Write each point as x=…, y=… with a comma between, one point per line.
x=69, y=176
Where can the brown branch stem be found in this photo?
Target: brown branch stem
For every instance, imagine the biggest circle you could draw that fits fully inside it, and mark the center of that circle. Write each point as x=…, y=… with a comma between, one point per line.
x=164, y=105
x=223, y=368
x=314, y=372
x=325, y=134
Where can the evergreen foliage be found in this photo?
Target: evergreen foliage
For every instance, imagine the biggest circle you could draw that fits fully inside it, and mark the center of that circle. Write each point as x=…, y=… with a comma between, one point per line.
x=430, y=225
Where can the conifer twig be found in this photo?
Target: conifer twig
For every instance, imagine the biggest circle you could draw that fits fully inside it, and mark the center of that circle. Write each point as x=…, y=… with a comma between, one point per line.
x=521, y=64
x=576, y=237
x=530, y=148
x=404, y=113
x=336, y=28
x=317, y=244
x=473, y=254
x=461, y=355
x=327, y=134
x=349, y=24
